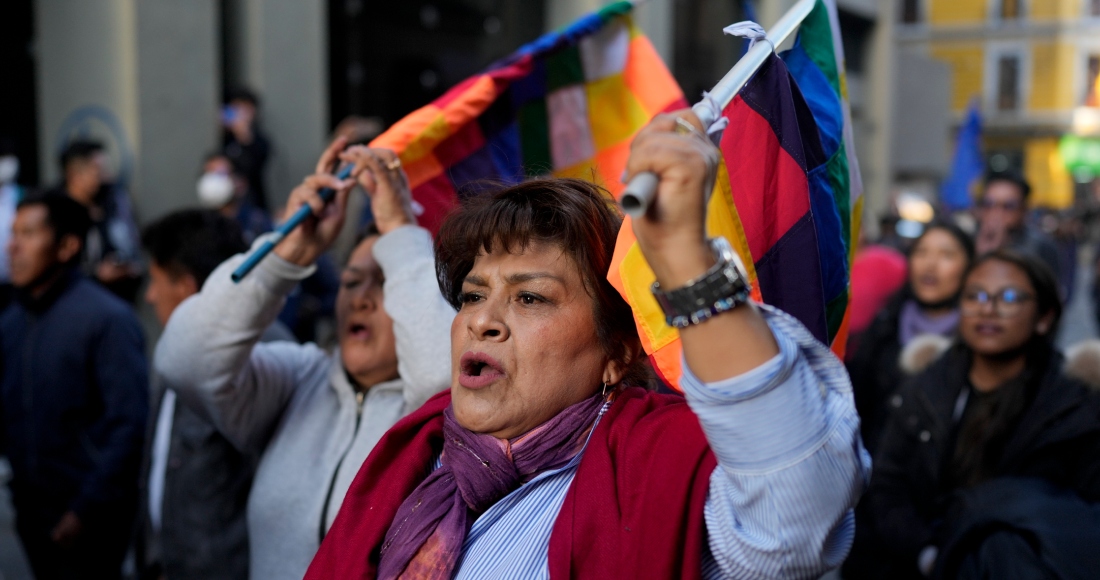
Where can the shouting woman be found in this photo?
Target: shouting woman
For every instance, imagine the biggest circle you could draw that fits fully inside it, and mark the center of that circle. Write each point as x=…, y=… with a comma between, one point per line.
x=546, y=459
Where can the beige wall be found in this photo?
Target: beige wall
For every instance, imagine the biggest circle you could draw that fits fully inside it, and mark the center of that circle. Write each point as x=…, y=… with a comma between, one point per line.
x=178, y=94
x=655, y=17
x=283, y=56
x=152, y=68
x=769, y=11
x=140, y=76
x=86, y=52
x=875, y=137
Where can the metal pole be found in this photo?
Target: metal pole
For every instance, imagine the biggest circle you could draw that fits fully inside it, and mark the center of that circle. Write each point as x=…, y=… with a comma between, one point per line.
x=642, y=189
x=288, y=226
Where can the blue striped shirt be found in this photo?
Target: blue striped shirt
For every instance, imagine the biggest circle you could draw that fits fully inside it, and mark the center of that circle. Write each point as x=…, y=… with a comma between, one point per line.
x=790, y=469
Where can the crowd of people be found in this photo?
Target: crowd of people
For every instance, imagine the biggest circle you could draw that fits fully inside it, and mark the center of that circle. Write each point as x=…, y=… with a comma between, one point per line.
x=484, y=407
x=986, y=441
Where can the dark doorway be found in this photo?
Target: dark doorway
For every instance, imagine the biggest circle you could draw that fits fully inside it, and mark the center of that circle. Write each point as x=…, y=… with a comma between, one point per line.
x=702, y=54
x=18, y=110
x=387, y=59
x=910, y=11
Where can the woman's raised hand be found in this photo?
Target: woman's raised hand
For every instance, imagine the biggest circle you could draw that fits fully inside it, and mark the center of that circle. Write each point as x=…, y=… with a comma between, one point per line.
x=379, y=172
x=672, y=234
x=305, y=243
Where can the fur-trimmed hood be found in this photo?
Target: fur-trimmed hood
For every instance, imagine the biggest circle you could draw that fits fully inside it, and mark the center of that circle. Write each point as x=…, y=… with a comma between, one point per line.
x=1082, y=360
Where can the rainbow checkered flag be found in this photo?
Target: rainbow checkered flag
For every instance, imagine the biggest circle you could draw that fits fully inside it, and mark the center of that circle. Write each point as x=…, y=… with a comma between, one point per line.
x=787, y=196
x=567, y=105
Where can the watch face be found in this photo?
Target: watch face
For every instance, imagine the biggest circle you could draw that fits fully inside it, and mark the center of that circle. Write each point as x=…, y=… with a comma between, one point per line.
x=726, y=253
x=722, y=288
x=740, y=266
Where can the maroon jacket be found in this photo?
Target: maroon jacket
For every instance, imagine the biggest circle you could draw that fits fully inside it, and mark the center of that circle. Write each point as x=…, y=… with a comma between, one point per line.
x=633, y=510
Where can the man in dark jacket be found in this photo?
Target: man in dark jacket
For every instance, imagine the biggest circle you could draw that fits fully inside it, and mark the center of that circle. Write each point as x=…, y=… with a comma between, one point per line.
x=111, y=251
x=1020, y=528
x=244, y=143
x=195, y=482
x=1002, y=220
x=74, y=398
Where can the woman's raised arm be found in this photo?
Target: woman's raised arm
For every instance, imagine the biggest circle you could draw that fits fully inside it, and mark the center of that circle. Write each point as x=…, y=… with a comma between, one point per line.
x=775, y=404
x=672, y=236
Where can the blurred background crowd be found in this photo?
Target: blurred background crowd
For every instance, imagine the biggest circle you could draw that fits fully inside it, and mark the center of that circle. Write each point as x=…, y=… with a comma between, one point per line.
x=177, y=129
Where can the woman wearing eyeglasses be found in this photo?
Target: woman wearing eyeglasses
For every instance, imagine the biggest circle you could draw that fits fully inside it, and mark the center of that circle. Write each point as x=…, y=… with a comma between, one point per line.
x=995, y=406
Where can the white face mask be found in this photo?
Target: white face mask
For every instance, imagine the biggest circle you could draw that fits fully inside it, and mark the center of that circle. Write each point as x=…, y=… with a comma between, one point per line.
x=215, y=190
x=9, y=169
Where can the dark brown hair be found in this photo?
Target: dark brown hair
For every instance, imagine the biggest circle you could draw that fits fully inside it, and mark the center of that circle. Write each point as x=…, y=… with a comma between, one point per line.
x=65, y=215
x=966, y=243
x=1009, y=176
x=571, y=214
x=193, y=241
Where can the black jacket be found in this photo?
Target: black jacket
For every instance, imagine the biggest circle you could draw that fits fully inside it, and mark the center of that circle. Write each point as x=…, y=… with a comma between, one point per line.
x=875, y=371
x=1057, y=439
x=1029, y=240
x=74, y=397
x=250, y=160
x=204, y=531
x=1024, y=528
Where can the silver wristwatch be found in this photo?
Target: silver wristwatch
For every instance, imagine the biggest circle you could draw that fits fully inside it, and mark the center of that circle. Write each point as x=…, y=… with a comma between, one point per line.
x=723, y=287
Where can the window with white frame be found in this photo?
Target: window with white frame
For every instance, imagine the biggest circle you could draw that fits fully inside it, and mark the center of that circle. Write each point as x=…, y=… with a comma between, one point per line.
x=1008, y=82
x=1007, y=74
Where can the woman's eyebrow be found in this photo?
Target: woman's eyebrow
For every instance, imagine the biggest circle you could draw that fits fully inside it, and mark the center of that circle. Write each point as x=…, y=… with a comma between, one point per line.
x=475, y=280
x=521, y=277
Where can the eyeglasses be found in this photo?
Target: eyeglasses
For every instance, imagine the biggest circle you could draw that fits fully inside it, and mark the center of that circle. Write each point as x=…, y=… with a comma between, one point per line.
x=1006, y=303
x=1005, y=205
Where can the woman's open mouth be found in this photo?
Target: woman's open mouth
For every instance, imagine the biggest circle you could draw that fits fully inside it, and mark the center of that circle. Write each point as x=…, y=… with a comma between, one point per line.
x=359, y=332
x=477, y=370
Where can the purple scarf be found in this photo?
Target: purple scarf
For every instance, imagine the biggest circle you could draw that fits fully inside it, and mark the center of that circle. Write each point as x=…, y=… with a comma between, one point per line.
x=912, y=322
x=426, y=537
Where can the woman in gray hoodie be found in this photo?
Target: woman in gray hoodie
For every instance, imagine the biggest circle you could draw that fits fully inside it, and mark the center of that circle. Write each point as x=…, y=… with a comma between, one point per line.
x=315, y=416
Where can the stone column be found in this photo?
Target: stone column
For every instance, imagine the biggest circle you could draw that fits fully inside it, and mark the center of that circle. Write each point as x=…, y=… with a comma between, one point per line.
x=769, y=11
x=140, y=76
x=281, y=52
x=178, y=92
x=877, y=163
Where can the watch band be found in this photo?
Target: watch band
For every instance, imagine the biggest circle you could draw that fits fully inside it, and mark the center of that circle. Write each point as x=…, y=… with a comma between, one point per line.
x=723, y=287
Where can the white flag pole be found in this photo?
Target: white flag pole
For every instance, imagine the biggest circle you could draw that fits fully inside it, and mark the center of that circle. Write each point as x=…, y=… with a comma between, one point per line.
x=642, y=189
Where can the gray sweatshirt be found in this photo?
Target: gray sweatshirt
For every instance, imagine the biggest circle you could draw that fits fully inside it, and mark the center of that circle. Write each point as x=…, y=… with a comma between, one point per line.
x=293, y=403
